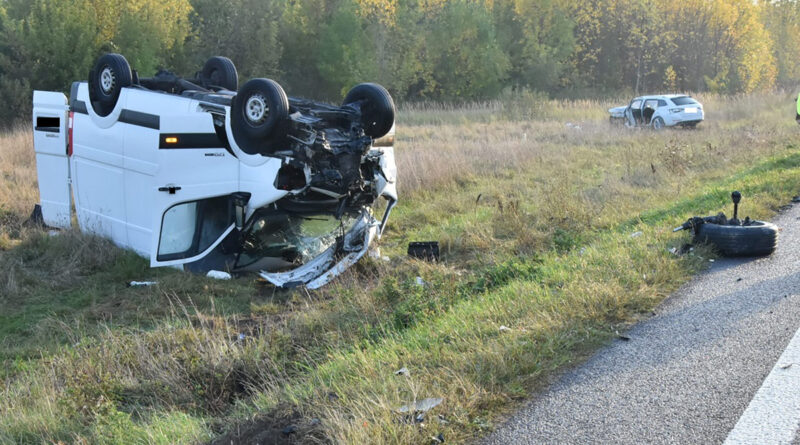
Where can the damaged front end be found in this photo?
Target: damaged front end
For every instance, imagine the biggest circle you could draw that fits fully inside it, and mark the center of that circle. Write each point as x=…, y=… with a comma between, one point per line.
x=336, y=161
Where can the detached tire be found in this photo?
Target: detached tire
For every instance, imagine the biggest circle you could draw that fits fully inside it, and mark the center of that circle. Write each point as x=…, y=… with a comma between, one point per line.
x=110, y=75
x=259, y=113
x=759, y=239
x=220, y=72
x=377, y=108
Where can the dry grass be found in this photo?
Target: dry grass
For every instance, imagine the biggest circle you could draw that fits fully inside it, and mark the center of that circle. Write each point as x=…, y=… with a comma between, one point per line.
x=534, y=218
x=18, y=186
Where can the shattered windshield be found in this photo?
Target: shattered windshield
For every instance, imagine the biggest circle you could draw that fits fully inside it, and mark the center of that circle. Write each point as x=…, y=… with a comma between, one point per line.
x=276, y=240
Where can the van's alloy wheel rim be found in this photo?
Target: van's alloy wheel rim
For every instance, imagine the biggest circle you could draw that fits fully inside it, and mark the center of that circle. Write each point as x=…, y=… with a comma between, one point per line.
x=256, y=109
x=107, y=80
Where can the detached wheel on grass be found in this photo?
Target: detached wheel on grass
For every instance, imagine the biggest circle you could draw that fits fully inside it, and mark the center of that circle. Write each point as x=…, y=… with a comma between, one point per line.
x=259, y=113
x=377, y=108
x=220, y=72
x=758, y=239
x=110, y=75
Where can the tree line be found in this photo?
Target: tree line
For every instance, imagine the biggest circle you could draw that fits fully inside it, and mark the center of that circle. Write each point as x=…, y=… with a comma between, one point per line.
x=445, y=50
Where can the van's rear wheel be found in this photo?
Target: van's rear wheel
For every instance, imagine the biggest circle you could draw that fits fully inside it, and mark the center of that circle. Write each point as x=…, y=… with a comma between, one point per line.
x=377, y=108
x=110, y=75
x=220, y=72
x=259, y=113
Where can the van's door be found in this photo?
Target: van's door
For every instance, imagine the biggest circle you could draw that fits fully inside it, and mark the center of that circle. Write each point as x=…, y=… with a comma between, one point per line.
x=193, y=210
x=50, y=114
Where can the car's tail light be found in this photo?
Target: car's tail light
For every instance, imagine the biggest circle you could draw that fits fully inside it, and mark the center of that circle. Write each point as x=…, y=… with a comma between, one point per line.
x=675, y=110
x=69, y=132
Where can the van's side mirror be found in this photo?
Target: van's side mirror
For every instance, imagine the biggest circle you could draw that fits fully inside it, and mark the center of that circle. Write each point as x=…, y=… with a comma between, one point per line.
x=239, y=201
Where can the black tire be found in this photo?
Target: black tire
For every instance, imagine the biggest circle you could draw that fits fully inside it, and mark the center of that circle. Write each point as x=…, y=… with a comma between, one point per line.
x=259, y=113
x=658, y=124
x=110, y=75
x=377, y=108
x=220, y=72
x=758, y=239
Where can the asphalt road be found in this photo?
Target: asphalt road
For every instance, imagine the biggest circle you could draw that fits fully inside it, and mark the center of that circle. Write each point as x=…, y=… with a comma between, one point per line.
x=687, y=374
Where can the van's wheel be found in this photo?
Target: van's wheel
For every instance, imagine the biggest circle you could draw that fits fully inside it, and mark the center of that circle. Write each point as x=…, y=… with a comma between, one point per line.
x=658, y=124
x=377, y=108
x=110, y=75
x=758, y=239
x=259, y=113
x=220, y=72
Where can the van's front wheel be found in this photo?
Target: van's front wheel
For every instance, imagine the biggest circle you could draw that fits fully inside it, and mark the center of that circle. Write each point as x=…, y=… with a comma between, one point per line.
x=377, y=108
x=259, y=113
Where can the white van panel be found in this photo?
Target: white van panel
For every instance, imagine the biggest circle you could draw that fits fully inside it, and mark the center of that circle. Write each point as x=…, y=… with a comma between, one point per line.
x=140, y=167
x=97, y=171
x=98, y=196
x=52, y=165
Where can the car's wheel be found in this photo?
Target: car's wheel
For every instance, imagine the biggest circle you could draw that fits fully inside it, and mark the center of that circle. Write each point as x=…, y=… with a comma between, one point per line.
x=758, y=239
x=377, y=108
x=220, y=72
x=110, y=75
x=259, y=113
x=658, y=124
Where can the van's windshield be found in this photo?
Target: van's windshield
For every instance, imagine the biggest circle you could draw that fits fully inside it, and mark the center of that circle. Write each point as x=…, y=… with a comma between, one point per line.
x=278, y=240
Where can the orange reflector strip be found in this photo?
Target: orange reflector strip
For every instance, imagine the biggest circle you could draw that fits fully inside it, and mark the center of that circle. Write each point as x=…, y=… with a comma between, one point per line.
x=171, y=140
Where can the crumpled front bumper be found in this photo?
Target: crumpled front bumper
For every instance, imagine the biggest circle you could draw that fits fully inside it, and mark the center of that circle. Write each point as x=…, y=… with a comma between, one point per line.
x=333, y=261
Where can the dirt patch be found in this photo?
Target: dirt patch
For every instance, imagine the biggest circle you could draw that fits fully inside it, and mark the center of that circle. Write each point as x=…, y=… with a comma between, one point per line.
x=291, y=429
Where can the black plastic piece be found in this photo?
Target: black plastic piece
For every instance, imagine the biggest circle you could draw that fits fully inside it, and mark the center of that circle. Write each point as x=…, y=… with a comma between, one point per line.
x=170, y=189
x=736, y=197
x=424, y=250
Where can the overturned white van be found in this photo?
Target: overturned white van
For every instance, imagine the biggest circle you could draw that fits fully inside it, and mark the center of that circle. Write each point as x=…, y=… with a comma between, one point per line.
x=200, y=174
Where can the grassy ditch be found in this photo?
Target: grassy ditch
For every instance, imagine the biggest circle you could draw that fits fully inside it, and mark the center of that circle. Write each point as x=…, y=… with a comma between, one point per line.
x=536, y=221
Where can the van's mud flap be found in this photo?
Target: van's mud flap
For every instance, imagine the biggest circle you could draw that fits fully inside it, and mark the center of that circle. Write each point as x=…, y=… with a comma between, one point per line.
x=324, y=268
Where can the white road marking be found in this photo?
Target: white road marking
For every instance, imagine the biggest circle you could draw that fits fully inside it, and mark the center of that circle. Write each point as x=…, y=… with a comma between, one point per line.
x=773, y=416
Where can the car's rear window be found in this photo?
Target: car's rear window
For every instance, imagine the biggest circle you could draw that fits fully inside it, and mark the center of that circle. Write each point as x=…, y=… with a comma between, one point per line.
x=684, y=100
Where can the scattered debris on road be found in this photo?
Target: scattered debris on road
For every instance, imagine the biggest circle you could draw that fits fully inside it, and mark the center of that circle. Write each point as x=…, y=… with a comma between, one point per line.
x=218, y=275
x=142, y=283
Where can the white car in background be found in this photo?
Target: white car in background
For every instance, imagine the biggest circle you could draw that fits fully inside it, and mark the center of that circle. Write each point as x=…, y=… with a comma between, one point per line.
x=659, y=111
x=201, y=174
